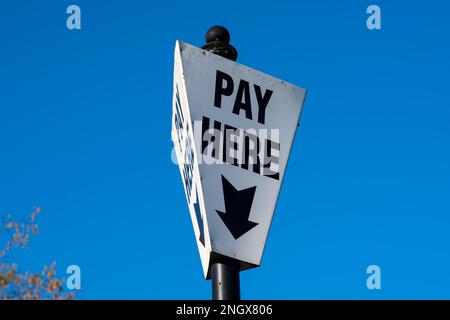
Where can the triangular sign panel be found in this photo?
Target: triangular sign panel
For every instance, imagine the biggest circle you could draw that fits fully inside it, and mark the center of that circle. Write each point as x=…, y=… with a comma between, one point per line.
x=232, y=129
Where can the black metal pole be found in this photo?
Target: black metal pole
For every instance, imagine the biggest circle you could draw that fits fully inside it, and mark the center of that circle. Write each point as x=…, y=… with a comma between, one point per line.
x=225, y=280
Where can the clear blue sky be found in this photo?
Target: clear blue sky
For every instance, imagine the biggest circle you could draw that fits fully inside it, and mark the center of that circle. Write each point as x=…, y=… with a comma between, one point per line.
x=85, y=120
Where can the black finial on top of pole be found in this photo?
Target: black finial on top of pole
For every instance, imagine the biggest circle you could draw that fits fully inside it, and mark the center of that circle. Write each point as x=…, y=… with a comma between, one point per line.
x=217, y=33
x=218, y=42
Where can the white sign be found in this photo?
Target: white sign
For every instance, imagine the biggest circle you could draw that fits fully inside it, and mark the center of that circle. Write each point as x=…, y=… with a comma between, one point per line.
x=232, y=129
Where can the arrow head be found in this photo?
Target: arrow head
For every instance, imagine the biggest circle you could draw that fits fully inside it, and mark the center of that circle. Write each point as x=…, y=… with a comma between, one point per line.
x=236, y=229
x=238, y=204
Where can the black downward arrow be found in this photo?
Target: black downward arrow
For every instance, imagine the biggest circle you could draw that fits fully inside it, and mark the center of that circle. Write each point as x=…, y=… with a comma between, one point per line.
x=238, y=204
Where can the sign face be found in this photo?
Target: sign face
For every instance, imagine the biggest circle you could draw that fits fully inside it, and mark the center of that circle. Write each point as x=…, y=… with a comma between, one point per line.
x=232, y=129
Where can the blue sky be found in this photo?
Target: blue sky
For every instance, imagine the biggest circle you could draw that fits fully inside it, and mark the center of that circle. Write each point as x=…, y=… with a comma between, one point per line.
x=85, y=120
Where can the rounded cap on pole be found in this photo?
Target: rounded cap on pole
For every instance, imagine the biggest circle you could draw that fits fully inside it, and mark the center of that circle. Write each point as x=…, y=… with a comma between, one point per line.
x=218, y=42
x=217, y=33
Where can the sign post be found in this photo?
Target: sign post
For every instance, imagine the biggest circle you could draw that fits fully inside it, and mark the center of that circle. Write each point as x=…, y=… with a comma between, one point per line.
x=232, y=129
x=225, y=280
